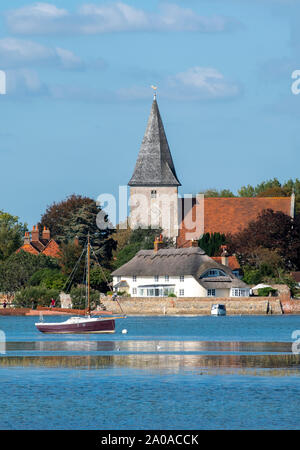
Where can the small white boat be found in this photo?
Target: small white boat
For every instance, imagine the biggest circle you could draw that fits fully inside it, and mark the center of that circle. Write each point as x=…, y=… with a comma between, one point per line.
x=218, y=310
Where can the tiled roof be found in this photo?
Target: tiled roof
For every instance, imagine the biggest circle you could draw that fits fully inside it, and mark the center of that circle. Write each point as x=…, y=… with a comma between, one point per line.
x=29, y=249
x=44, y=246
x=154, y=165
x=52, y=249
x=231, y=215
x=232, y=261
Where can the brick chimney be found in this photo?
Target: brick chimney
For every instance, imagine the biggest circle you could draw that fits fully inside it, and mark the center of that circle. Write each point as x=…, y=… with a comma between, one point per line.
x=224, y=255
x=27, y=238
x=46, y=234
x=158, y=243
x=35, y=234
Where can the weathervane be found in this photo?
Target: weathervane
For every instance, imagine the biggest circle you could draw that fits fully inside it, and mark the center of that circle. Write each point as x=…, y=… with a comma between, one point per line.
x=155, y=89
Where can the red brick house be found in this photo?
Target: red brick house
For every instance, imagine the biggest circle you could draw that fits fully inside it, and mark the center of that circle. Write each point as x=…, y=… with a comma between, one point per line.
x=40, y=244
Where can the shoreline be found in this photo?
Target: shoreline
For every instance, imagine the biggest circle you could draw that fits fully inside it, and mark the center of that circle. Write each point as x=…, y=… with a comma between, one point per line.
x=174, y=307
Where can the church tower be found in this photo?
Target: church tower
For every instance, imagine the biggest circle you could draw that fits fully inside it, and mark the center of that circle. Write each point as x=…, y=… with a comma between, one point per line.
x=154, y=183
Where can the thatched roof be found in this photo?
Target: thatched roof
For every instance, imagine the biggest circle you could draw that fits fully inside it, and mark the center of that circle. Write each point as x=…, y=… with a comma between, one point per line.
x=191, y=261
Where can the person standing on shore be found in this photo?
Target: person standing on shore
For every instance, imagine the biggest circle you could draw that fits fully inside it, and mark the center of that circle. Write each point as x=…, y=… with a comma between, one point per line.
x=4, y=304
x=52, y=303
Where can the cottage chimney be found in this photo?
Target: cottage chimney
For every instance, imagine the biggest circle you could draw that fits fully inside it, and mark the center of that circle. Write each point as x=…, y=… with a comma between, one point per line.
x=158, y=243
x=76, y=241
x=46, y=234
x=224, y=255
x=35, y=234
x=27, y=238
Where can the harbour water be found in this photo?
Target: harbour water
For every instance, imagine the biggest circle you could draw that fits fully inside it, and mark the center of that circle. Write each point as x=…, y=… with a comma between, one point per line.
x=165, y=373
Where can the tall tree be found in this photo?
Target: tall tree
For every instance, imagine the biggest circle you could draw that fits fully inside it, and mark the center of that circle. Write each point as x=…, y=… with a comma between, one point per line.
x=59, y=214
x=76, y=217
x=11, y=234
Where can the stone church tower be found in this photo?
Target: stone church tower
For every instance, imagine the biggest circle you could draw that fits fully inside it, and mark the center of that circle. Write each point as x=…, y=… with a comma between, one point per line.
x=154, y=183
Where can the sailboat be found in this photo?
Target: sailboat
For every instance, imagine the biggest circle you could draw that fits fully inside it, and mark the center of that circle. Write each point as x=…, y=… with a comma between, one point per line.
x=83, y=325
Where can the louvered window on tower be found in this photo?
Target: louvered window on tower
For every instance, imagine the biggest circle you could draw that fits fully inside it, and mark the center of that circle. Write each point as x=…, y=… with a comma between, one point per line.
x=153, y=194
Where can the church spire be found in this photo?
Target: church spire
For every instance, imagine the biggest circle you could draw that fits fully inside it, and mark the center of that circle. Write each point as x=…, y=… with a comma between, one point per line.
x=154, y=166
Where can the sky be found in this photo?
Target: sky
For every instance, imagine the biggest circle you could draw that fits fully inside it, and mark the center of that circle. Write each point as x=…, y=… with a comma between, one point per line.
x=78, y=94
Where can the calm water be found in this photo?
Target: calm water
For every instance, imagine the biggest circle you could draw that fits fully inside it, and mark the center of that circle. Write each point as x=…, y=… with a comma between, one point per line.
x=165, y=373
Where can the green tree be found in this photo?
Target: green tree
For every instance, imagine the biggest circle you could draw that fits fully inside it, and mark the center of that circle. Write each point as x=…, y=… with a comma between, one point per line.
x=11, y=234
x=58, y=215
x=211, y=243
x=217, y=193
x=79, y=300
x=16, y=271
x=84, y=222
x=139, y=239
x=49, y=278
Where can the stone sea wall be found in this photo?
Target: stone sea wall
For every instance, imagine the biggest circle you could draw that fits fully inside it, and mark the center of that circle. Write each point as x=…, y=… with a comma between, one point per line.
x=201, y=306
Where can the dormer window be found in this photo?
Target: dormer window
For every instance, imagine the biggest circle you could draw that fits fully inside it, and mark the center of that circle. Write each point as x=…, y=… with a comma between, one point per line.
x=214, y=273
x=153, y=194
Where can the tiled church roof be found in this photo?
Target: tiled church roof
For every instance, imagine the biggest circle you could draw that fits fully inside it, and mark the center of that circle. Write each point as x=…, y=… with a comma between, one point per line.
x=154, y=165
x=231, y=215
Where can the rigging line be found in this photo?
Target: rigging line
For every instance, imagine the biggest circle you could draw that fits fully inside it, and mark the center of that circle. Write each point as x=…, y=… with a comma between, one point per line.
x=108, y=283
x=72, y=274
x=97, y=261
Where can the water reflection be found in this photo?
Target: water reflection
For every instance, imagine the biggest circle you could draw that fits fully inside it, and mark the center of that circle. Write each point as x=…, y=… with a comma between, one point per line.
x=284, y=364
x=148, y=346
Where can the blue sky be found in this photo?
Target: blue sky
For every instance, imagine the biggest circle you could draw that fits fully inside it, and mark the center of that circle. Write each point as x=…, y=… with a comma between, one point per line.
x=78, y=94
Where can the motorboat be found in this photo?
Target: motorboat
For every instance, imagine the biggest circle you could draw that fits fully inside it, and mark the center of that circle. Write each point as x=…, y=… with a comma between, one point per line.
x=218, y=310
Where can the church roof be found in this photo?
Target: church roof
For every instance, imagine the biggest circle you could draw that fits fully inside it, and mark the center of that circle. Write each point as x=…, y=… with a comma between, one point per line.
x=154, y=165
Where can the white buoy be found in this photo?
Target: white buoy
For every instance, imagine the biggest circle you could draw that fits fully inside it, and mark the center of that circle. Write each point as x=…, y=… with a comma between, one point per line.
x=124, y=331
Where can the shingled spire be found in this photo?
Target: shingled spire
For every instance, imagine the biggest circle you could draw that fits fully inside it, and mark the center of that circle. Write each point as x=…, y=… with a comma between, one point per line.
x=154, y=166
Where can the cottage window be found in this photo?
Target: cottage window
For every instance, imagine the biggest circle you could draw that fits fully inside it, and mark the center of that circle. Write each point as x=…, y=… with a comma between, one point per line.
x=238, y=292
x=153, y=194
x=166, y=277
x=134, y=278
x=118, y=279
x=211, y=292
x=181, y=278
x=156, y=278
x=134, y=291
x=181, y=292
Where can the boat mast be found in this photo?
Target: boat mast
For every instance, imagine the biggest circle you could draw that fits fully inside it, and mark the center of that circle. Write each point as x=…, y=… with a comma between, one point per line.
x=88, y=274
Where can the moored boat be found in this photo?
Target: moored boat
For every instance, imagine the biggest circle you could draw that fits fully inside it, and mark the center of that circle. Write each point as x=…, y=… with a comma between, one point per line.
x=218, y=310
x=79, y=325
x=85, y=324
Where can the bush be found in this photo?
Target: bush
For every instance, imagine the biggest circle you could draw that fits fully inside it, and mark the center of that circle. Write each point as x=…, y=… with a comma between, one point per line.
x=252, y=276
x=172, y=295
x=49, y=278
x=79, y=300
x=264, y=292
x=33, y=296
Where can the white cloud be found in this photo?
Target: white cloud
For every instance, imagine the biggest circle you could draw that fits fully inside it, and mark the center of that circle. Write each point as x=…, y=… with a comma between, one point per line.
x=19, y=53
x=37, y=17
x=44, y=18
x=202, y=83
x=195, y=84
